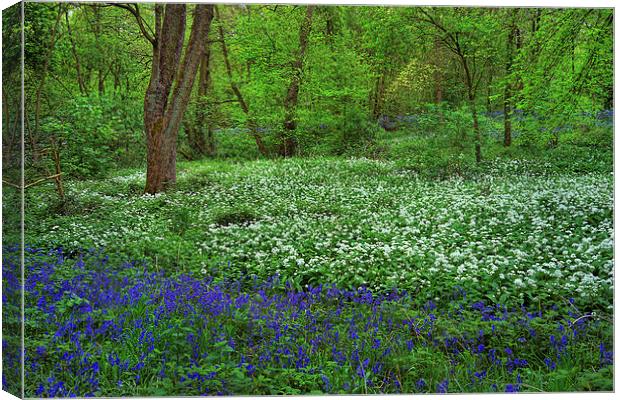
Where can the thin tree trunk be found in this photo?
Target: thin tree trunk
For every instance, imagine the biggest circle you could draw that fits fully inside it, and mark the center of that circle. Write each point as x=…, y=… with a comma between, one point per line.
x=7, y=144
x=471, y=92
x=164, y=106
x=205, y=142
x=39, y=93
x=508, y=83
x=507, y=117
x=78, y=65
x=97, y=31
x=252, y=125
x=437, y=71
x=57, y=170
x=474, y=114
x=288, y=145
x=519, y=46
x=377, y=105
x=489, y=84
x=201, y=143
x=115, y=69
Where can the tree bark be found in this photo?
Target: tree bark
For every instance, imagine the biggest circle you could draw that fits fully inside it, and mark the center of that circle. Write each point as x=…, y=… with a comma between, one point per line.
x=288, y=143
x=9, y=134
x=57, y=171
x=518, y=45
x=164, y=106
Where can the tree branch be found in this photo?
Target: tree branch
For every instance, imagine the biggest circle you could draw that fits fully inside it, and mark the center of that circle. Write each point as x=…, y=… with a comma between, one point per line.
x=31, y=183
x=141, y=23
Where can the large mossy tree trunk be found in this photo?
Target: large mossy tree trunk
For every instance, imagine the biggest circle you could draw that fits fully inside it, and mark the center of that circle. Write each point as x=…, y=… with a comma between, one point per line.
x=164, y=105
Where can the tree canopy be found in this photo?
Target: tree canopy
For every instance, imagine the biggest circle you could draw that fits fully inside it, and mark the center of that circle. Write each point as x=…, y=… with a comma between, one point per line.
x=297, y=80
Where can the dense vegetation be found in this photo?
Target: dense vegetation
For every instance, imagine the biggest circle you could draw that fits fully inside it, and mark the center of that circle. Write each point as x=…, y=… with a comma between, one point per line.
x=96, y=327
x=365, y=200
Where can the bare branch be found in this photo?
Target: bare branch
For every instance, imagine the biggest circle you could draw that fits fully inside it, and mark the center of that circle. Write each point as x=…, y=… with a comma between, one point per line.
x=42, y=180
x=141, y=23
x=31, y=183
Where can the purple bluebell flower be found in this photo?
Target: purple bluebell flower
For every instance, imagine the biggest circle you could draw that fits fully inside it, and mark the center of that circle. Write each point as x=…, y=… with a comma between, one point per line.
x=510, y=388
x=361, y=369
x=442, y=387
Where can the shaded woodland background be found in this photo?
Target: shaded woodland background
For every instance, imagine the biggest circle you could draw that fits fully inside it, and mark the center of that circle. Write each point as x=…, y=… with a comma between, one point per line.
x=125, y=85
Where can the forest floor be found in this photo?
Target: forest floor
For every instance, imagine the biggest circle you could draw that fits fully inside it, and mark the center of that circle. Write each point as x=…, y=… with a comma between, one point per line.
x=518, y=253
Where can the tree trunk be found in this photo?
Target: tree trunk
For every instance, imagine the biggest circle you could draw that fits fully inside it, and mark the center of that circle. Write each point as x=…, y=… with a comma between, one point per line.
x=197, y=128
x=97, y=32
x=252, y=125
x=116, y=73
x=474, y=114
x=519, y=45
x=489, y=84
x=163, y=106
x=78, y=65
x=204, y=140
x=57, y=170
x=288, y=144
x=9, y=134
x=508, y=85
x=507, y=117
x=471, y=93
x=37, y=104
x=437, y=79
x=377, y=104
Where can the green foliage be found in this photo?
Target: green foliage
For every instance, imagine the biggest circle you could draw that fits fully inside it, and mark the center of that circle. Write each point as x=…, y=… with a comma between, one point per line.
x=238, y=215
x=561, y=78
x=411, y=88
x=91, y=130
x=361, y=63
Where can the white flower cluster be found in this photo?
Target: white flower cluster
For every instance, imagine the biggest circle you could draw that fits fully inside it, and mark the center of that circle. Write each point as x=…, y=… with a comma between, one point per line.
x=362, y=221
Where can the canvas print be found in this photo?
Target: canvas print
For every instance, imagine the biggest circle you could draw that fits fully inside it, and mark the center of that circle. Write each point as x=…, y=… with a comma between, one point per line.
x=264, y=199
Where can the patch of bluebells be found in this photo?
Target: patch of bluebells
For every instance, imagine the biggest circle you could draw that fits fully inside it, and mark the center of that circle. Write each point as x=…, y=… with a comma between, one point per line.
x=100, y=328
x=390, y=123
x=11, y=315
